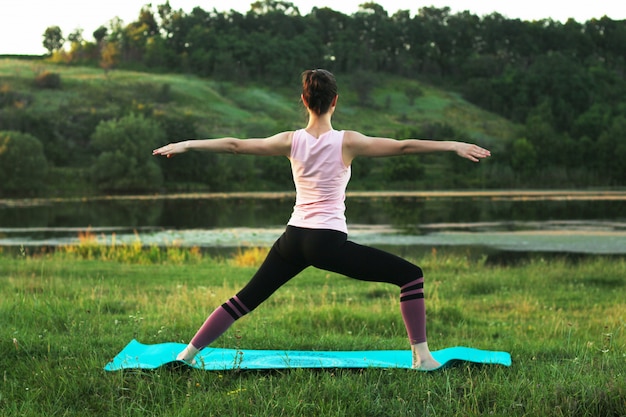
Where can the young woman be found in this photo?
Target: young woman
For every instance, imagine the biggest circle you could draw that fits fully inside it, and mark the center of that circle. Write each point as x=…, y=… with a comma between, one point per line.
x=316, y=234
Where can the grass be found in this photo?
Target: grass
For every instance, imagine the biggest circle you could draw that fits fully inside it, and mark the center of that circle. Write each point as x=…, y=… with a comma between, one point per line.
x=64, y=315
x=213, y=108
x=228, y=108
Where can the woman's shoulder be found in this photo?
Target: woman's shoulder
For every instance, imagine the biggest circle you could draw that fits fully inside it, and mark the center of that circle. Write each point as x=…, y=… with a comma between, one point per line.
x=352, y=136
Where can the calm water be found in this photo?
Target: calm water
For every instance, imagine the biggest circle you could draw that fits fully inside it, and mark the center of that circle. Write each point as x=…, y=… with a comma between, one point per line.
x=528, y=222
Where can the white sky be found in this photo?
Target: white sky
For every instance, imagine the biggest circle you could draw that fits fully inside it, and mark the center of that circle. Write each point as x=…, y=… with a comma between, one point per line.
x=23, y=22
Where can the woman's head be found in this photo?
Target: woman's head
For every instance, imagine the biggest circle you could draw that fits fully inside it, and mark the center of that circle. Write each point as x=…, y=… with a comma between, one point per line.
x=319, y=89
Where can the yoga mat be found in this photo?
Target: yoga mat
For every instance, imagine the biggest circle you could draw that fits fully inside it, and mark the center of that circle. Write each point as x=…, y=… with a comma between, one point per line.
x=139, y=356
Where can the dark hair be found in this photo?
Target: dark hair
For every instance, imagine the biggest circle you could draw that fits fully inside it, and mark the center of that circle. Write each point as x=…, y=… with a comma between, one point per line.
x=319, y=89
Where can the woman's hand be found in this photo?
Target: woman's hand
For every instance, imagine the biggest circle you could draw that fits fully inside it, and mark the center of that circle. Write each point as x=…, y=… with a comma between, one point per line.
x=471, y=151
x=171, y=149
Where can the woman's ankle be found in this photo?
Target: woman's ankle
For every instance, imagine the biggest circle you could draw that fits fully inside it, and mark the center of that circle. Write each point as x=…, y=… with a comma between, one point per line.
x=422, y=358
x=188, y=353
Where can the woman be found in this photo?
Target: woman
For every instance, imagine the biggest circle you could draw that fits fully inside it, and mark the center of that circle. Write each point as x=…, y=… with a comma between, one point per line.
x=316, y=234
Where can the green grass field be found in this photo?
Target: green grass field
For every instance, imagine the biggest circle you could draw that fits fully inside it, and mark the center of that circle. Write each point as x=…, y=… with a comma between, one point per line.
x=63, y=316
x=209, y=108
x=232, y=109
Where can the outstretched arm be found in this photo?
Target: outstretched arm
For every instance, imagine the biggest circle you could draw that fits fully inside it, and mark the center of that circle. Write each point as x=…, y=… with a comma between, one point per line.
x=357, y=144
x=279, y=144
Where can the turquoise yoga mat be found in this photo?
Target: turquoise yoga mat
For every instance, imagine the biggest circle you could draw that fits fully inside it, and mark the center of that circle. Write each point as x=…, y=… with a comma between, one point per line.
x=139, y=356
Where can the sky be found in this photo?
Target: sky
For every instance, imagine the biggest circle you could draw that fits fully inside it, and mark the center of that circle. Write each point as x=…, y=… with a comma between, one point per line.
x=23, y=22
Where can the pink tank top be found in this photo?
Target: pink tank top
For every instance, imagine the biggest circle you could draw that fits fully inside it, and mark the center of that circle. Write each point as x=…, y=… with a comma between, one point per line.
x=321, y=178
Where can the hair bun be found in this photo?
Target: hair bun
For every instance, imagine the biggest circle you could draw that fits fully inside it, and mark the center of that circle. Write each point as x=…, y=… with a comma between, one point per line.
x=319, y=89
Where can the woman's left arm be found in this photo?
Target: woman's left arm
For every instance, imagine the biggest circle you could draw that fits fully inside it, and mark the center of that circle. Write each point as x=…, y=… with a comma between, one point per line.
x=357, y=144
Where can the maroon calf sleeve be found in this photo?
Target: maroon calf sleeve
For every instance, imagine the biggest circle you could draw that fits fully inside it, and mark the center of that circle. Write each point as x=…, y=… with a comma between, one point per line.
x=413, y=310
x=218, y=322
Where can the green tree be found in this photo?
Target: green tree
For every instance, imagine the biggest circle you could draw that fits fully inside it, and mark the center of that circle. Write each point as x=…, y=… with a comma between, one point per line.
x=137, y=35
x=125, y=163
x=403, y=169
x=376, y=36
x=53, y=39
x=99, y=34
x=612, y=152
x=23, y=166
x=412, y=92
x=437, y=40
x=109, y=56
x=78, y=46
x=523, y=158
x=76, y=36
x=364, y=83
x=335, y=34
x=272, y=6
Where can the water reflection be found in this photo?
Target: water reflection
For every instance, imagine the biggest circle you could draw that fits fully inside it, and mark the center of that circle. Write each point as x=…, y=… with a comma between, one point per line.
x=592, y=224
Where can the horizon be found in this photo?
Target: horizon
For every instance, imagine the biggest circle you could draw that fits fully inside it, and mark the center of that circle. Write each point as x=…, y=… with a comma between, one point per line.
x=89, y=16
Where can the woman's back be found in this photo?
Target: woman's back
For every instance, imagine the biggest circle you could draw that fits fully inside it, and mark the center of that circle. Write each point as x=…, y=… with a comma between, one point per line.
x=320, y=177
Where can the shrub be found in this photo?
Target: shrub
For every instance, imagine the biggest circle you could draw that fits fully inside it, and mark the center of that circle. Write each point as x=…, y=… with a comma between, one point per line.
x=10, y=98
x=252, y=257
x=403, y=168
x=89, y=247
x=48, y=79
x=23, y=166
x=125, y=162
x=523, y=157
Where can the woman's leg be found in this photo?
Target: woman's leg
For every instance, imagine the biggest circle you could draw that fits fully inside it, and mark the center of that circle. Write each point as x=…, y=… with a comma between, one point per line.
x=334, y=253
x=215, y=325
x=273, y=273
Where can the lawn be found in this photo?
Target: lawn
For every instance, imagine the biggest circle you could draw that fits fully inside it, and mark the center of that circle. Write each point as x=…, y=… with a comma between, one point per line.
x=64, y=315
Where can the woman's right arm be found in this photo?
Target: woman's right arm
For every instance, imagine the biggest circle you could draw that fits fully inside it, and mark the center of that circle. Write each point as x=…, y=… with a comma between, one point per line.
x=279, y=144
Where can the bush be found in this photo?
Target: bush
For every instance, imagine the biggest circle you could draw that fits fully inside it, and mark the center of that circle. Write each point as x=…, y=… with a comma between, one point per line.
x=125, y=162
x=23, y=166
x=10, y=98
x=403, y=168
x=48, y=79
x=523, y=158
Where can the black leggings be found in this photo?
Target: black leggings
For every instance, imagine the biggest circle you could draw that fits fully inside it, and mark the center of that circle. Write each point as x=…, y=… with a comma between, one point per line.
x=299, y=248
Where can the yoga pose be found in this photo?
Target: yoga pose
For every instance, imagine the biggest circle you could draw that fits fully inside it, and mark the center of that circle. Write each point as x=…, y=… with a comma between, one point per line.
x=316, y=234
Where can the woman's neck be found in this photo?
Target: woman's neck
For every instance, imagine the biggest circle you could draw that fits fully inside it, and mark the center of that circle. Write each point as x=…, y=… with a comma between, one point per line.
x=318, y=125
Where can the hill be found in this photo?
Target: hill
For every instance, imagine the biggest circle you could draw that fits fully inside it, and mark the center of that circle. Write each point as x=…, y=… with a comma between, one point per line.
x=63, y=114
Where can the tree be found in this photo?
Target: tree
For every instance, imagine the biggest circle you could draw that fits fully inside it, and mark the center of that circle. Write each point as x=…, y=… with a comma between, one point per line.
x=436, y=43
x=78, y=46
x=364, y=83
x=99, y=34
x=137, y=35
x=109, y=56
x=76, y=36
x=272, y=6
x=412, y=92
x=523, y=158
x=23, y=166
x=125, y=162
x=403, y=168
x=53, y=39
x=376, y=37
x=611, y=152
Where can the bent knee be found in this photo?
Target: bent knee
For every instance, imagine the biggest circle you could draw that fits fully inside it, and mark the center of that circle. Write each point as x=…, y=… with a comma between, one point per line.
x=411, y=276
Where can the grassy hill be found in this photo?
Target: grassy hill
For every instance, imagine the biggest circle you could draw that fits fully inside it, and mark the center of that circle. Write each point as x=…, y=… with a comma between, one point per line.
x=241, y=110
x=227, y=107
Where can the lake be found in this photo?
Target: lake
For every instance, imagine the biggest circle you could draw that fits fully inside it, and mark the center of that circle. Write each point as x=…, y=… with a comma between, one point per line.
x=574, y=222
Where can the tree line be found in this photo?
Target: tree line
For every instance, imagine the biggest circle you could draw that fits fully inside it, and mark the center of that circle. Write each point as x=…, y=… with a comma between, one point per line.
x=563, y=83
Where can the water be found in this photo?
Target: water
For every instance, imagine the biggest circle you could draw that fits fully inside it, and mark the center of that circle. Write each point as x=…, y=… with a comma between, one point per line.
x=547, y=222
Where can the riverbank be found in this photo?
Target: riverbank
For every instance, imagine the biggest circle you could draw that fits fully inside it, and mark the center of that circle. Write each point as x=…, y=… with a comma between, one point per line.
x=539, y=221
x=527, y=195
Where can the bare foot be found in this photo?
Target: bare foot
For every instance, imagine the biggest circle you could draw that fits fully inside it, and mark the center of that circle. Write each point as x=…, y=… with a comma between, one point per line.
x=422, y=358
x=188, y=354
x=426, y=364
